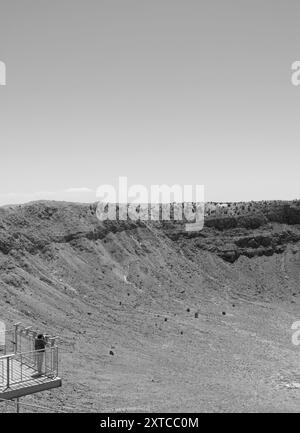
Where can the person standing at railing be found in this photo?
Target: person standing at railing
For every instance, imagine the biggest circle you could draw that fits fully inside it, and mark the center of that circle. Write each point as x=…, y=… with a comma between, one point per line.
x=39, y=347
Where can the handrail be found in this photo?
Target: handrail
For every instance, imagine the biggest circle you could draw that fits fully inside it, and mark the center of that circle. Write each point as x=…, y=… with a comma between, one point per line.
x=16, y=368
x=11, y=355
x=7, y=356
x=6, y=330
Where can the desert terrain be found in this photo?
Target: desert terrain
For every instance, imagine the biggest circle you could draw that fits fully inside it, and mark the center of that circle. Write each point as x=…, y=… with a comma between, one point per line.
x=151, y=318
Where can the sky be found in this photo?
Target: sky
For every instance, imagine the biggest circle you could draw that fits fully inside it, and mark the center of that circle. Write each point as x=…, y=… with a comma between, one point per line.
x=186, y=92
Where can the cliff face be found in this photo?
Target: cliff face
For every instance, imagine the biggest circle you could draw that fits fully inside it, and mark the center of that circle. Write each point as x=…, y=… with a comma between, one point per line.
x=251, y=230
x=262, y=231
x=54, y=249
x=245, y=229
x=155, y=295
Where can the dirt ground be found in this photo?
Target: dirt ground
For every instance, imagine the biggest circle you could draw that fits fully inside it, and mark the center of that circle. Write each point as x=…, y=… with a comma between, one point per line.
x=150, y=323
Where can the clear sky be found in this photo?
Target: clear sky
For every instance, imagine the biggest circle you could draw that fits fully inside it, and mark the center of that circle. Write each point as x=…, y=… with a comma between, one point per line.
x=160, y=91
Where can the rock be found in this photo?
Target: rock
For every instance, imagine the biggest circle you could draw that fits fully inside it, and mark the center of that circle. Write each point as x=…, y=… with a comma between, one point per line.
x=253, y=243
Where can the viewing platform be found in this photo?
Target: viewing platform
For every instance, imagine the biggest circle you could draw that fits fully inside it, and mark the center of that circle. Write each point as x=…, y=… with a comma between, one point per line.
x=23, y=370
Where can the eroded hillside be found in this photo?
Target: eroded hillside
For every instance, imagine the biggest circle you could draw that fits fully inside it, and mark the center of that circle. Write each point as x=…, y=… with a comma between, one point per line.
x=152, y=318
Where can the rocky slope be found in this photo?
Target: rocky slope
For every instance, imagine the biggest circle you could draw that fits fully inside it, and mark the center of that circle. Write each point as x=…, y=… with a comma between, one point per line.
x=153, y=318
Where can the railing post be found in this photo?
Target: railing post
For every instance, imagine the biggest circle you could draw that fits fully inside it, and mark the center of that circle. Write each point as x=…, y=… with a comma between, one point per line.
x=53, y=353
x=56, y=361
x=34, y=335
x=16, y=325
x=7, y=373
x=27, y=331
x=21, y=357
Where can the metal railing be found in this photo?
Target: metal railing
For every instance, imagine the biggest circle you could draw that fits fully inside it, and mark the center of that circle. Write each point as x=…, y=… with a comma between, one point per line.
x=8, y=341
x=16, y=368
x=20, y=339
